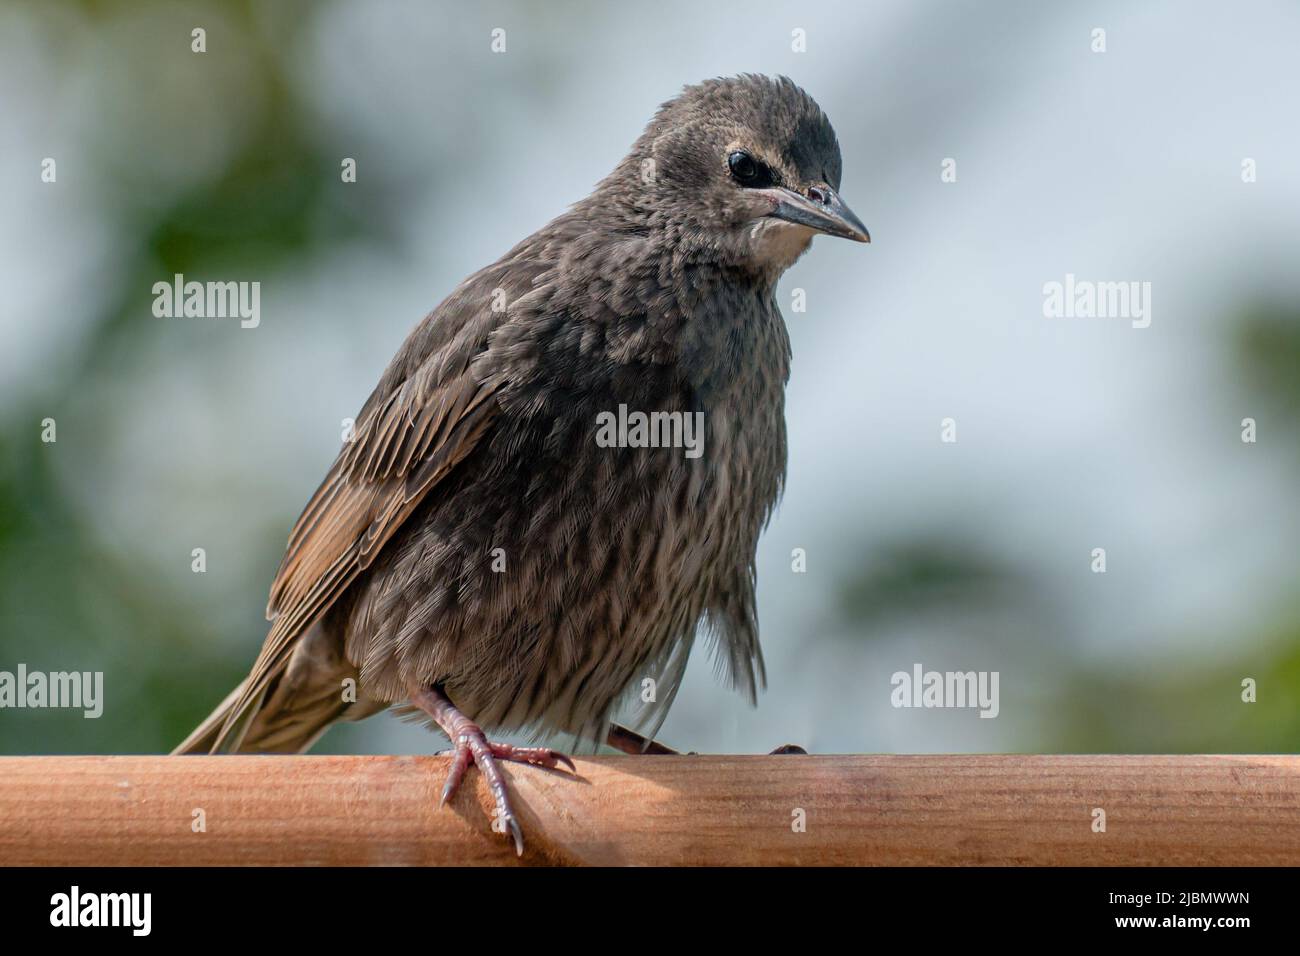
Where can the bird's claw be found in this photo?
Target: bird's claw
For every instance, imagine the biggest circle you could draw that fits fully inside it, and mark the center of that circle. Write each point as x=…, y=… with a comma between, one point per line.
x=472, y=746
x=517, y=833
x=461, y=758
x=537, y=756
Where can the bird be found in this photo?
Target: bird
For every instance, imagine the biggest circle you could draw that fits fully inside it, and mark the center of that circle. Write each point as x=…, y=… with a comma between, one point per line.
x=475, y=557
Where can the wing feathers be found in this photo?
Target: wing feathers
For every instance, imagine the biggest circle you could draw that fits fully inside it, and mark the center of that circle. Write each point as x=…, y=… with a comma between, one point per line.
x=401, y=450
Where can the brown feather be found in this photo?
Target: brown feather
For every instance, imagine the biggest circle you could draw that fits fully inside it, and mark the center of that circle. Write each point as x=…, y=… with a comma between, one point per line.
x=355, y=511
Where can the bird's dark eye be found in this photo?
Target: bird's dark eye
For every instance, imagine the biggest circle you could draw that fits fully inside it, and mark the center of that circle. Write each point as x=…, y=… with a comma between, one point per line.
x=748, y=171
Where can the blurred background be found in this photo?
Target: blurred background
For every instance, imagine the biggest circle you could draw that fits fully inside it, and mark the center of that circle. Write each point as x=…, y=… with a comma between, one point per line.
x=1072, y=434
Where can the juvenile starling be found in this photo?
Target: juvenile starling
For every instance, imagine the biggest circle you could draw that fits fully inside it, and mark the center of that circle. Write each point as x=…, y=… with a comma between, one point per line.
x=475, y=553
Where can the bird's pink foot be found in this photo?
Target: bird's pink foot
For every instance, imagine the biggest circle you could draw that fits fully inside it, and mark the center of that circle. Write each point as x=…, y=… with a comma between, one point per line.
x=470, y=745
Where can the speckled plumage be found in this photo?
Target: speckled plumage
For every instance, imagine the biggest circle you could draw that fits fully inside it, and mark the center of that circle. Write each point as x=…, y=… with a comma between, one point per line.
x=655, y=292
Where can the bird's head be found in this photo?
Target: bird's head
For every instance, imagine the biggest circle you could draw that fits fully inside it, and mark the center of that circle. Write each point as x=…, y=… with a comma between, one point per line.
x=746, y=167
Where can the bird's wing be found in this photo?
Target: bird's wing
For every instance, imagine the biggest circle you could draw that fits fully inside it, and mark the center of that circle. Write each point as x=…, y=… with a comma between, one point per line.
x=408, y=438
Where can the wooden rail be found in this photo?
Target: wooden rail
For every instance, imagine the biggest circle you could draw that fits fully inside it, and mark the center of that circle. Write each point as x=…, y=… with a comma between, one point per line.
x=656, y=810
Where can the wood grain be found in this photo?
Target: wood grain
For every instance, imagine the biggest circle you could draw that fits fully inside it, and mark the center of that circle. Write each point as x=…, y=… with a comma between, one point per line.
x=656, y=810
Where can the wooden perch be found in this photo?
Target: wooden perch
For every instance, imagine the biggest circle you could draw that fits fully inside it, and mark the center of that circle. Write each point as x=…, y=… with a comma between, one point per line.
x=655, y=810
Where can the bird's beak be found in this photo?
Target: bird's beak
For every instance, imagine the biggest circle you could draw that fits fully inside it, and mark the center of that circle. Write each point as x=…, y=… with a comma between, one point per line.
x=822, y=209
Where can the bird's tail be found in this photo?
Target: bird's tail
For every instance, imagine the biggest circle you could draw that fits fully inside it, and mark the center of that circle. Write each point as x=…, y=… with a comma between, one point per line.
x=203, y=738
x=300, y=704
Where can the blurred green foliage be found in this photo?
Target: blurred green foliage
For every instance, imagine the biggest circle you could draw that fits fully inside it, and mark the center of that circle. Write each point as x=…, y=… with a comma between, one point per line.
x=66, y=595
x=1267, y=353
